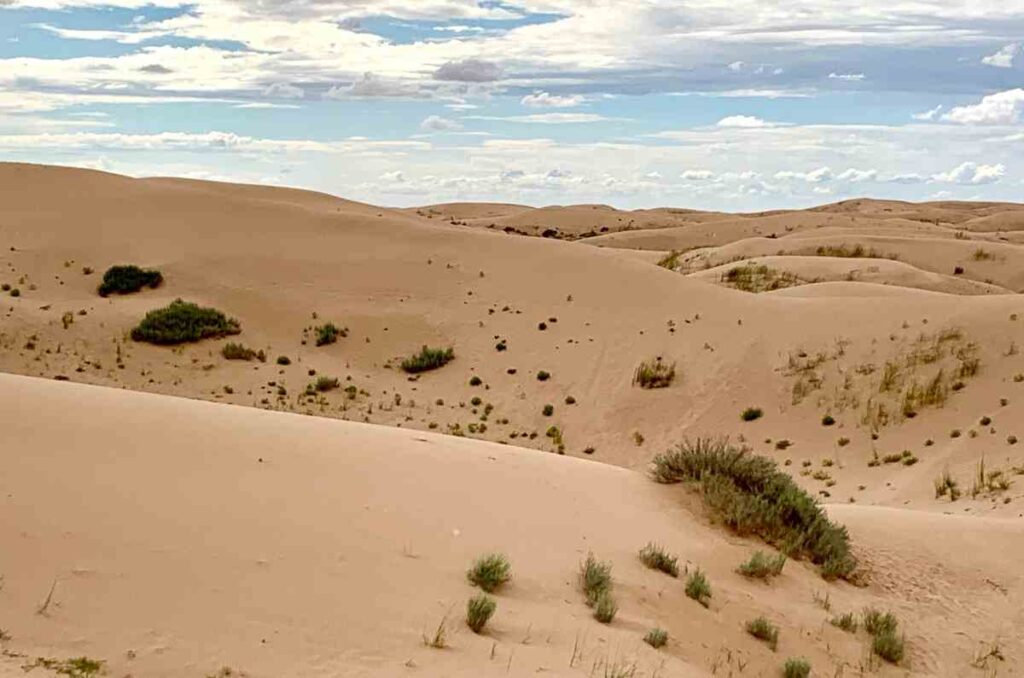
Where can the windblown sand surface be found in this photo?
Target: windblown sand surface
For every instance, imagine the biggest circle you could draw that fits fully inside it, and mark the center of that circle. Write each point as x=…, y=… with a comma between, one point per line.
x=177, y=551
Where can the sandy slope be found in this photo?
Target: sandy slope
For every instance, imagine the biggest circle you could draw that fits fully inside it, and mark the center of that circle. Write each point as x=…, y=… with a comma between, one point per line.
x=185, y=536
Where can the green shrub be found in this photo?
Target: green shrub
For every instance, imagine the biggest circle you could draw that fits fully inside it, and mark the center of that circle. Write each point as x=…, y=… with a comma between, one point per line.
x=875, y=622
x=325, y=384
x=828, y=420
x=478, y=610
x=595, y=579
x=847, y=622
x=763, y=566
x=657, y=558
x=605, y=607
x=428, y=359
x=698, y=588
x=233, y=351
x=888, y=646
x=752, y=497
x=328, y=334
x=475, y=381
x=656, y=638
x=762, y=629
x=490, y=572
x=796, y=668
x=128, y=279
x=284, y=360
x=751, y=414
x=654, y=374
x=543, y=376
x=182, y=322
x=15, y=292
x=548, y=410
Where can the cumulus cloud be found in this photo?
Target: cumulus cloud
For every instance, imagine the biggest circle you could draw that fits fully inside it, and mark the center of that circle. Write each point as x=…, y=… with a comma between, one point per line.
x=748, y=121
x=697, y=175
x=972, y=174
x=856, y=176
x=435, y=123
x=1003, y=108
x=929, y=115
x=1003, y=58
x=848, y=77
x=546, y=100
x=818, y=176
x=468, y=70
x=283, y=90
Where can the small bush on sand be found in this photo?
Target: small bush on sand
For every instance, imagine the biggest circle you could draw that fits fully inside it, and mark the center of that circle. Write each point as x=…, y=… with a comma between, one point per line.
x=233, y=351
x=475, y=381
x=751, y=414
x=657, y=558
x=325, y=384
x=796, y=668
x=128, y=279
x=698, y=588
x=762, y=629
x=182, y=322
x=654, y=374
x=752, y=497
x=328, y=334
x=763, y=566
x=428, y=359
x=656, y=638
x=478, y=610
x=605, y=608
x=595, y=579
x=543, y=376
x=875, y=622
x=548, y=410
x=847, y=622
x=490, y=572
x=888, y=646
x=284, y=360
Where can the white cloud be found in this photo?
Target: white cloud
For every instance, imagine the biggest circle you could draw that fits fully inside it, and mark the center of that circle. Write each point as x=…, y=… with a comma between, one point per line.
x=435, y=123
x=818, y=176
x=928, y=116
x=736, y=66
x=856, y=176
x=283, y=90
x=547, y=118
x=697, y=175
x=546, y=100
x=972, y=174
x=1003, y=58
x=848, y=77
x=1003, y=108
x=747, y=121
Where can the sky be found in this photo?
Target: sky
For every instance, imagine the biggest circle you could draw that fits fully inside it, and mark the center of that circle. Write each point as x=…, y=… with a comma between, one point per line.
x=738, y=105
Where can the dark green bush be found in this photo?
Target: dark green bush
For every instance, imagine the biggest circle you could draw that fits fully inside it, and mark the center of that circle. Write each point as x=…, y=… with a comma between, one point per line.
x=490, y=572
x=325, y=384
x=751, y=414
x=233, y=351
x=284, y=360
x=182, y=322
x=328, y=334
x=698, y=588
x=478, y=610
x=752, y=497
x=595, y=579
x=763, y=566
x=428, y=359
x=548, y=410
x=656, y=638
x=796, y=668
x=475, y=381
x=129, y=279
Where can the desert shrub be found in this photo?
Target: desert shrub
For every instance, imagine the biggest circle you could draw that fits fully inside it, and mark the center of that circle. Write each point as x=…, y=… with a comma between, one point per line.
x=751, y=414
x=284, y=360
x=654, y=374
x=428, y=359
x=15, y=292
x=698, y=588
x=763, y=566
x=328, y=334
x=796, y=668
x=656, y=638
x=876, y=622
x=548, y=410
x=605, y=607
x=657, y=558
x=182, y=322
x=475, y=381
x=752, y=497
x=847, y=622
x=828, y=420
x=543, y=376
x=490, y=572
x=758, y=278
x=325, y=384
x=595, y=579
x=128, y=279
x=762, y=629
x=476, y=401
x=478, y=610
x=888, y=646
x=233, y=351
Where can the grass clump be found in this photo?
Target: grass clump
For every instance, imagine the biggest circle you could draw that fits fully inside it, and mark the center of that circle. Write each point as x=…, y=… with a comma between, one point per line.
x=654, y=374
x=762, y=629
x=888, y=646
x=595, y=579
x=657, y=558
x=758, y=278
x=656, y=638
x=128, y=279
x=763, y=566
x=752, y=497
x=605, y=608
x=428, y=359
x=752, y=414
x=182, y=322
x=478, y=611
x=328, y=334
x=847, y=622
x=325, y=384
x=233, y=351
x=698, y=588
x=796, y=668
x=490, y=572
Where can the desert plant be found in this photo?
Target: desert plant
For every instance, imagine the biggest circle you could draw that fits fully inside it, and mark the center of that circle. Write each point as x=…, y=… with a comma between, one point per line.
x=657, y=558
x=284, y=360
x=324, y=384
x=490, y=572
x=758, y=278
x=233, y=351
x=796, y=668
x=328, y=334
x=945, y=484
x=762, y=629
x=888, y=646
x=595, y=579
x=698, y=588
x=752, y=496
x=548, y=410
x=478, y=610
x=543, y=375
x=475, y=381
x=847, y=622
x=182, y=322
x=763, y=566
x=654, y=374
x=656, y=638
x=876, y=622
x=752, y=414
x=128, y=279
x=428, y=359
x=828, y=420
x=605, y=607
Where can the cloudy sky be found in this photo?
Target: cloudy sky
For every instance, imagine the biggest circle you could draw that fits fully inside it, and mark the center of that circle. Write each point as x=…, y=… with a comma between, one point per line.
x=722, y=104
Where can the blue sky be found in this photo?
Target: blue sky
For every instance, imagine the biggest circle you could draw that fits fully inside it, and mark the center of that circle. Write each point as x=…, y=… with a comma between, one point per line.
x=718, y=104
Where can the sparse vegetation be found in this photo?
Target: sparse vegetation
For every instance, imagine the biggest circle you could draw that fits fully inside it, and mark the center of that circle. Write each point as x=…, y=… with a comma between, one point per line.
x=946, y=485
x=752, y=414
x=847, y=622
x=762, y=629
x=233, y=351
x=284, y=360
x=548, y=410
x=328, y=334
x=698, y=588
x=796, y=668
x=490, y=572
x=543, y=376
x=128, y=279
x=478, y=611
x=428, y=359
x=763, y=566
x=657, y=558
x=605, y=607
x=752, y=496
x=595, y=579
x=182, y=322
x=656, y=638
x=654, y=374
x=758, y=278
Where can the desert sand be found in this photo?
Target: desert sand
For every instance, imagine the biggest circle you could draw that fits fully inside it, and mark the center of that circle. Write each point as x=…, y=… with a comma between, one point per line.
x=280, y=531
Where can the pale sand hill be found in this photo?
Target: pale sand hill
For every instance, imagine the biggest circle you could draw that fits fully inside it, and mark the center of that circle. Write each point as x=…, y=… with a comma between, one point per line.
x=184, y=537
